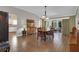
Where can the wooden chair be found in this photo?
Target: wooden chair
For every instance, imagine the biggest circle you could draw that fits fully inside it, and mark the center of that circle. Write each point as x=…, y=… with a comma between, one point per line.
x=24, y=32
x=41, y=34
x=74, y=32
x=50, y=34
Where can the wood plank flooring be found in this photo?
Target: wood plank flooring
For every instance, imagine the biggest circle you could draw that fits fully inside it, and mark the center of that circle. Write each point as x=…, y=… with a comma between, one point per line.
x=31, y=44
x=60, y=43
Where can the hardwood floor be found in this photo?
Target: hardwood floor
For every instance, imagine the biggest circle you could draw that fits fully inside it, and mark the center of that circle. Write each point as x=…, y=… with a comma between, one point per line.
x=31, y=44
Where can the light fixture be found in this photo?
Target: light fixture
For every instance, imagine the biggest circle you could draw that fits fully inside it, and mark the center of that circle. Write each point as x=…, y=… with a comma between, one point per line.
x=45, y=15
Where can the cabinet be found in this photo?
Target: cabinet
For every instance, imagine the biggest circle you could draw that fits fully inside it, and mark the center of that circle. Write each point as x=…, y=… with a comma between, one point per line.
x=30, y=26
x=3, y=26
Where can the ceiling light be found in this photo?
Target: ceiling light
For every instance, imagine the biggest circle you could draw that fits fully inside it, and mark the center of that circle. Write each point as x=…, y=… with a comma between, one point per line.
x=45, y=15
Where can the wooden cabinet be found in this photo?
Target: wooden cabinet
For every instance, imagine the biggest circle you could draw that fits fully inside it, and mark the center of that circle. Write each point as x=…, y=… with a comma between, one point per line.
x=3, y=26
x=30, y=26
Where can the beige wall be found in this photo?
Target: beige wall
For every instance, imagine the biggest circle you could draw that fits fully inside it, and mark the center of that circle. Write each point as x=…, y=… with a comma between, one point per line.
x=71, y=23
x=77, y=19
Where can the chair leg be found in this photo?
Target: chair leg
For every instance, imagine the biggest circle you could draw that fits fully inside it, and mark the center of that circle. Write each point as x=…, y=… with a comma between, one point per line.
x=53, y=36
x=37, y=37
x=44, y=39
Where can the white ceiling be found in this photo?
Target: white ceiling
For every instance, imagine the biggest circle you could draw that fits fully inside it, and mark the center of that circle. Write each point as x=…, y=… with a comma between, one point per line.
x=52, y=11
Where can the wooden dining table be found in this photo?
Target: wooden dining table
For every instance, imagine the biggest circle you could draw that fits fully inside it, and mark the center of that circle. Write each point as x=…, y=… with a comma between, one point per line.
x=43, y=34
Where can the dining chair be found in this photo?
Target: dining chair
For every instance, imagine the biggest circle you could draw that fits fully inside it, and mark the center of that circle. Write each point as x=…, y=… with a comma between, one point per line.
x=50, y=33
x=41, y=34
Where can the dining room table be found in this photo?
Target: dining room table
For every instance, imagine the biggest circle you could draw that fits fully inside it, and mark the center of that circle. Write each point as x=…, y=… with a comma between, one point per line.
x=44, y=33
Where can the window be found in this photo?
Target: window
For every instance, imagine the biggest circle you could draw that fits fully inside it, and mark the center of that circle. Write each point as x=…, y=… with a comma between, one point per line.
x=12, y=19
